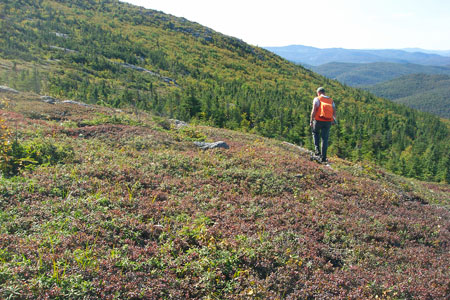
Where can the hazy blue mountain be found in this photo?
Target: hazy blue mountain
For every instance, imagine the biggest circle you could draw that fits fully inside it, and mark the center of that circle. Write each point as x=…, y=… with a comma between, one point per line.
x=438, y=52
x=430, y=93
x=355, y=74
x=316, y=56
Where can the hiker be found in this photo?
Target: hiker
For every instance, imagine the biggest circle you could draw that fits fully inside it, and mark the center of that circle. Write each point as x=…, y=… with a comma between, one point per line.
x=323, y=115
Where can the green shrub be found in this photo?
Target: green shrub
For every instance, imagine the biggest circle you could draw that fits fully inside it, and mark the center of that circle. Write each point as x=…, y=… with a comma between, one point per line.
x=27, y=155
x=191, y=134
x=46, y=152
x=117, y=119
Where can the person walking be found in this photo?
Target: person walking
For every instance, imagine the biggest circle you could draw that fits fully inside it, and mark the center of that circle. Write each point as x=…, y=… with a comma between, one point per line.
x=323, y=115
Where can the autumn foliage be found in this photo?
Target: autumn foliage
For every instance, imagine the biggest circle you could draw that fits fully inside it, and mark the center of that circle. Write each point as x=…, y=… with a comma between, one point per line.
x=138, y=212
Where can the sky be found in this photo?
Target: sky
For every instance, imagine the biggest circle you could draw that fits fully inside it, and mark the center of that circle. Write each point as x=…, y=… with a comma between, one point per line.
x=352, y=24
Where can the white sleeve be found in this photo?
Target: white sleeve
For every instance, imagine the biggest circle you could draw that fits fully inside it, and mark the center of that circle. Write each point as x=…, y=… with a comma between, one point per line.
x=316, y=102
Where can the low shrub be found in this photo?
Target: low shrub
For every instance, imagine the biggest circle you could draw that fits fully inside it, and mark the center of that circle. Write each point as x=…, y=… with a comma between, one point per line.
x=117, y=119
x=17, y=156
x=191, y=134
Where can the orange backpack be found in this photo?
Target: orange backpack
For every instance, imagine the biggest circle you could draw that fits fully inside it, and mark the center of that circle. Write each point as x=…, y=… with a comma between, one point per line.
x=325, y=111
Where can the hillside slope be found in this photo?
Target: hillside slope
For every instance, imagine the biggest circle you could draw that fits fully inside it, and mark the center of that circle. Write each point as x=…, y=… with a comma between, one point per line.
x=429, y=93
x=115, y=204
x=358, y=75
x=118, y=55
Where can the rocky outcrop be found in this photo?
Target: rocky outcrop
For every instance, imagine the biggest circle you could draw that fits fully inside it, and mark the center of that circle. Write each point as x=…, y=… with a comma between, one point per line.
x=141, y=69
x=206, y=146
x=178, y=124
x=63, y=49
x=5, y=89
x=49, y=99
x=75, y=102
x=59, y=34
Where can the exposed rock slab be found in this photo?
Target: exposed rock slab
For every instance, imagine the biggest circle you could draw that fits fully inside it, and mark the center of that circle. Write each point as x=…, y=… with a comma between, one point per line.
x=6, y=89
x=49, y=99
x=206, y=146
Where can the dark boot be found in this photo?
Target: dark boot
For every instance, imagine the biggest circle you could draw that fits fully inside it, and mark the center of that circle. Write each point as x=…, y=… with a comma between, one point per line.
x=317, y=152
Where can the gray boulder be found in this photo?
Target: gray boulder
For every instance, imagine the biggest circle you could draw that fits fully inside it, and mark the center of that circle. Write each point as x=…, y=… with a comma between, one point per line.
x=49, y=99
x=141, y=69
x=5, y=89
x=205, y=146
x=75, y=102
x=59, y=34
x=63, y=49
x=178, y=124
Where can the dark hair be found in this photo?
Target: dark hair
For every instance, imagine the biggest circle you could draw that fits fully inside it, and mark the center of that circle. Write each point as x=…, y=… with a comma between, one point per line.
x=321, y=90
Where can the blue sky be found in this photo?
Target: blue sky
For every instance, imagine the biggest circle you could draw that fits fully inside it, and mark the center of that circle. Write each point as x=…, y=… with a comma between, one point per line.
x=352, y=24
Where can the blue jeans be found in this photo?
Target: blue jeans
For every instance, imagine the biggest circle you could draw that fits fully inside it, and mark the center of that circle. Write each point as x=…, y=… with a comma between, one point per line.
x=321, y=129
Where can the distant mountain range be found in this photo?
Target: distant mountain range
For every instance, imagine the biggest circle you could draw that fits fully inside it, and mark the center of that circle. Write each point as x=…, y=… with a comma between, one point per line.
x=424, y=92
x=357, y=75
x=316, y=56
x=438, y=52
x=415, y=77
x=426, y=88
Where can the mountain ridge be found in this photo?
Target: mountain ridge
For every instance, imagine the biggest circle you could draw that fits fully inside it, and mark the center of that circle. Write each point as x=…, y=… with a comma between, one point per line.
x=317, y=56
x=387, y=79
x=439, y=52
x=358, y=75
x=427, y=92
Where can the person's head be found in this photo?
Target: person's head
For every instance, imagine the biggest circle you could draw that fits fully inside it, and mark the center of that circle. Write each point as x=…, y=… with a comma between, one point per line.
x=320, y=91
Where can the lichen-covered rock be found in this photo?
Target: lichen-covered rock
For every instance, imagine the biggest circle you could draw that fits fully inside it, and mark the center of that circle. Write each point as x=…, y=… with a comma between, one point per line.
x=5, y=89
x=49, y=99
x=63, y=49
x=178, y=124
x=205, y=146
x=75, y=102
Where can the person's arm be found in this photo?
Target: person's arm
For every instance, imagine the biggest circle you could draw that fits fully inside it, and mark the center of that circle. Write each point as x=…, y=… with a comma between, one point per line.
x=313, y=113
x=334, y=114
